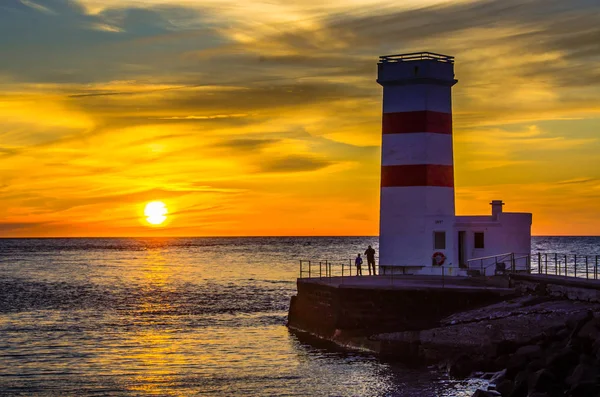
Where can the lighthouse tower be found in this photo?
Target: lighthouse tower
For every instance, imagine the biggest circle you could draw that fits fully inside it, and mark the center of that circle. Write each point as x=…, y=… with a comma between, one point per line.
x=417, y=179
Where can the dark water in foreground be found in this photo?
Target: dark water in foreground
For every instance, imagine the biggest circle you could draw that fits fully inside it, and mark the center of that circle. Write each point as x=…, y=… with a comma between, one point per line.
x=181, y=317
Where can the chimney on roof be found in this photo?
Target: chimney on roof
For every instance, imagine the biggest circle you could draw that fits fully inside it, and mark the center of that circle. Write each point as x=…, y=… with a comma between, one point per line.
x=496, y=208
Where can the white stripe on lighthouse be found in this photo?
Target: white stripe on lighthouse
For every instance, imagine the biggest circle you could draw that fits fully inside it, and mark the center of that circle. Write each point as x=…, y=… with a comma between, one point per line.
x=418, y=148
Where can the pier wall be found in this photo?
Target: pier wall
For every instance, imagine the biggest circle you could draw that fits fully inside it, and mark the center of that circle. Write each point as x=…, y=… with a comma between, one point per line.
x=330, y=310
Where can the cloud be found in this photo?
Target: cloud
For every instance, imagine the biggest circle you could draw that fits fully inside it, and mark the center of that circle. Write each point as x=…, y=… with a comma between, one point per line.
x=67, y=46
x=12, y=226
x=246, y=143
x=532, y=138
x=38, y=7
x=526, y=146
x=577, y=181
x=298, y=163
x=8, y=151
x=208, y=117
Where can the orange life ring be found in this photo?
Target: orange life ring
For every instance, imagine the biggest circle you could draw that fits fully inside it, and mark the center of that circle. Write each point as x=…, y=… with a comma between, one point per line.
x=439, y=258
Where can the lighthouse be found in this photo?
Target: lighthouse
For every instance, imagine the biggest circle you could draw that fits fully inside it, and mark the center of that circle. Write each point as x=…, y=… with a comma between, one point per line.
x=417, y=213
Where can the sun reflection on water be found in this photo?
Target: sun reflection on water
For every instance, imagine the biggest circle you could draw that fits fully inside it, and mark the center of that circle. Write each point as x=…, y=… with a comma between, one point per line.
x=157, y=355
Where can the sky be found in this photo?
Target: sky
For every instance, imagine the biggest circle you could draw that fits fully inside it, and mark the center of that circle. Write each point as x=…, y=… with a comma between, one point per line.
x=264, y=117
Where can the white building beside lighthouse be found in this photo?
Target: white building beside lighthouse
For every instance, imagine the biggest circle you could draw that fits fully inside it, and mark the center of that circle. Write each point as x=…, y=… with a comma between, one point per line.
x=419, y=230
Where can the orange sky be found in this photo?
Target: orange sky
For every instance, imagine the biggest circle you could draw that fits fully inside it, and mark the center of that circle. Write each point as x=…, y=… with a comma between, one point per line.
x=263, y=118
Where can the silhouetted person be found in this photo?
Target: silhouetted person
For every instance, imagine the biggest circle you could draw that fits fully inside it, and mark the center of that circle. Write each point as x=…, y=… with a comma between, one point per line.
x=370, y=253
x=358, y=261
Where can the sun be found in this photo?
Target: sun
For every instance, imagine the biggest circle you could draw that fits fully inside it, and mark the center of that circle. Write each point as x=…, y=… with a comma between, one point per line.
x=156, y=212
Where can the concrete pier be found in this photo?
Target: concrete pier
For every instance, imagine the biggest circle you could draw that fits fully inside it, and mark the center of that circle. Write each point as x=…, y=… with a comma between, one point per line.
x=367, y=305
x=432, y=318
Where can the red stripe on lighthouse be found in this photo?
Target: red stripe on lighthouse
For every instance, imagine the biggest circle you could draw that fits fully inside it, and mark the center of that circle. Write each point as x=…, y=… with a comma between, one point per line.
x=417, y=175
x=419, y=121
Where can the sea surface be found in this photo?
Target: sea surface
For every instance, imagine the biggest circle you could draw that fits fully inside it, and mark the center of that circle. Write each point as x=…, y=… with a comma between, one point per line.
x=185, y=317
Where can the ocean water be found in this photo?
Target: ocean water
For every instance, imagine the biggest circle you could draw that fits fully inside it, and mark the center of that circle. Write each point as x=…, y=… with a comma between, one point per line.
x=184, y=317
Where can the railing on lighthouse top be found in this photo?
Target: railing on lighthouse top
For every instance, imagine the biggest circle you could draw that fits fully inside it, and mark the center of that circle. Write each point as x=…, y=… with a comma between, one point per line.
x=416, y=56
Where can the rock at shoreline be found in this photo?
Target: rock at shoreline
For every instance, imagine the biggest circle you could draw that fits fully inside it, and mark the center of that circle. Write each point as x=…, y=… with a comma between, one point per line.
x=490, y=332
x=541, y=347
x=563, y=363
x=505, y=387
x=461, y=367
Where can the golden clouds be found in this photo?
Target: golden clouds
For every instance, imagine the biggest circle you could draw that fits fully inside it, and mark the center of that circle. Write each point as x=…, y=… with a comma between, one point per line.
x=212, y=168
x=260, y=118
x=483, y=148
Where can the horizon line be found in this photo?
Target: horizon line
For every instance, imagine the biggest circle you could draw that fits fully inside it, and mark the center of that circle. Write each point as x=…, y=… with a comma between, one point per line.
x=248, y=236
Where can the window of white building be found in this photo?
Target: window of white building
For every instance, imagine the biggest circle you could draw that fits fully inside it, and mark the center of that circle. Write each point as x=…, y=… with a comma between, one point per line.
x=479, y=241
x=439, y=240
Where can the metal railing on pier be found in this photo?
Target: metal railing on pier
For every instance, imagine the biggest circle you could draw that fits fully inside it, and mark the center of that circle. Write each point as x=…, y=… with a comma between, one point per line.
x=566, y=265
x=544, y=263
x=344, y=270
x=500, y=264
x=332, y=268
x=552, y=264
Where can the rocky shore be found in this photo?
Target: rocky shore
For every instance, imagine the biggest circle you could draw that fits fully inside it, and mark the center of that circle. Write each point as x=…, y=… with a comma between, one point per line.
x=529, y=346
x=561, y=361
x=527, y=335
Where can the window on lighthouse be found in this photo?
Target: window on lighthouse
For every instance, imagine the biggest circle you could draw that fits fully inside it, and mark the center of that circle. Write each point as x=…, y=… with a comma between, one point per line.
x=439, y=240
